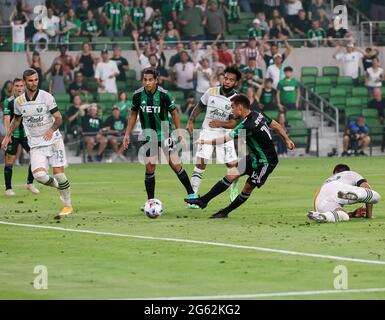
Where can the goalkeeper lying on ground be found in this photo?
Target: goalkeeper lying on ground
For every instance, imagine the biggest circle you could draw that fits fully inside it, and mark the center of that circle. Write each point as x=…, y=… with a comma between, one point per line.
x=344, y=187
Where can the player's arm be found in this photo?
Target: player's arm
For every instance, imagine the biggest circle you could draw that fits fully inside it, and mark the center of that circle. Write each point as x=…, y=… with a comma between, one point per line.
x=281, y=131
x=130, y=125
x=15, y=123
x=190, y=123
x=56, y=124
x=369, y=206
x=229, y=124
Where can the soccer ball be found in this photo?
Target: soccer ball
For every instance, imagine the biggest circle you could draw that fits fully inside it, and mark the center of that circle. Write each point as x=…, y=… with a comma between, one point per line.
x=153, y=208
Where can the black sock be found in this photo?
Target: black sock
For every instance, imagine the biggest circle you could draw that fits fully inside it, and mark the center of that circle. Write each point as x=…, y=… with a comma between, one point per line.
x=30, y=175
x=242, y=197
x=8, y=176
x=183, y=177
x=149, y=182
x=218, y=188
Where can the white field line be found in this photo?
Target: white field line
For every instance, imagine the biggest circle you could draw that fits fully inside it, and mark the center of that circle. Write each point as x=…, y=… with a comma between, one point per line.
x=199, y=242
x=263, y=295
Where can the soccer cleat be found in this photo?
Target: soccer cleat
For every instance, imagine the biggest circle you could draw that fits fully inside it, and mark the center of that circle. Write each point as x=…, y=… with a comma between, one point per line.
x=32, y=188
x=347, y=195
x=192, y=206
x=66, y=211
x=10, y=193
x=197, y=201
x=315, y=216
x=219, y=215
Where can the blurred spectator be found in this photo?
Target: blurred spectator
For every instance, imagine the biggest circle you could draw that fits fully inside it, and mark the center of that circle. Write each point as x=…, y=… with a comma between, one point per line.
x=78, y=86
x=275, y=71
x=251, y=50
x=148, y=34
x=248, y=81
x=262, y=18
x=82, y=12
x=270, y=6
x=215, y=63
x=115, y=126
x=238, y=59
x=136, y=17
x=142, y=56
x=171, y=35
x=18, y=22
x=356, y=138
x=176, y=57
x=332, y=33
x=191, y=20
x=317, y=35
x=276, y=15
x=254, y=105
x=257, y=32
x=113, y=17
x=86, y=60
x=183, y=73
x=91, y=127
x=75, y=21
x=196, y=53
x=214, y=20
x=323, y=19
x=203, y=4
x=377, y=10
x=177, y=8
x=314, y=7
x=292, y=9
x=266, y=96
x=52, y=23
x=350, y=61
x=63, y=31
x=40, y=40
x=163, y=74
x=378, y=103
x=74, y=115
x=232, y=10
x=257, y=74
x=288, y=92
x=106, y=73
x=66, y=61
x=204, y=78
x=301, y=24
x=279, y=31
x=124, y=104
x=6, y=90
x=370, y=54
x=268, y=58
x=374, y=76
x=90, y=26
x=121, y=63
x=224, y=56
x=58, y=79
x=148, y=10
x=158, y=23
x=190, y=104
x=34, y=62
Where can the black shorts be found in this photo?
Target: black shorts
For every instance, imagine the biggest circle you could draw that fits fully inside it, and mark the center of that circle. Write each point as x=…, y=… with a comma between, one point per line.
x=168, y=146
x=258, y=176
x=13, y=146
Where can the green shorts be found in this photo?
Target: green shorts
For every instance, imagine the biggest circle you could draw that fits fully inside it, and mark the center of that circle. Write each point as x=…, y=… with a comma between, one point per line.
x=18, y=47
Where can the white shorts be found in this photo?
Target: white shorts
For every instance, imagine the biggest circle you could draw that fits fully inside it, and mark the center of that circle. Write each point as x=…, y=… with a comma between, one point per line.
x=53, y=155
x=225, y=153
x=327, y=199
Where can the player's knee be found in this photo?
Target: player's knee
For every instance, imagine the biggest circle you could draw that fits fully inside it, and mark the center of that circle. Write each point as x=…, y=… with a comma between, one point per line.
x=343, y=216
x=376, y=197
x=41, y=177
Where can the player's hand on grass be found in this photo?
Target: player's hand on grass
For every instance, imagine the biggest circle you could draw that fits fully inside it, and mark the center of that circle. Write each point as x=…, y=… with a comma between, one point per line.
x=48, y=135
x=215, y=124
x=5, y=142
x=290, y=144
x=126, y=142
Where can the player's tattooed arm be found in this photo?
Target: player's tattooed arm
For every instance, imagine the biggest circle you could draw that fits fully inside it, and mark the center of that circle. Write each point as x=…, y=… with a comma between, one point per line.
x=130, y=125
x=281, y=131
x=230, y=124
x=56, y=125
x=369, y=206
x=190, y=123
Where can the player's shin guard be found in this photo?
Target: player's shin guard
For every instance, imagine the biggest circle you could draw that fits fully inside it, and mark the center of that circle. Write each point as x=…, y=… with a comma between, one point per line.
x=183, y=178
x=64, y=189
x=218, y=188
x=149, y=182
x=30, y=176
x=8, y=169
x=196, y=179
x=242, y=198
x=43, y=178
x=335, y=216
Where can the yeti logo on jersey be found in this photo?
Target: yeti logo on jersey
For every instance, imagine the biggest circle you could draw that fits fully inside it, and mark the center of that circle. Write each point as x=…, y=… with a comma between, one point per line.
x=150, y=109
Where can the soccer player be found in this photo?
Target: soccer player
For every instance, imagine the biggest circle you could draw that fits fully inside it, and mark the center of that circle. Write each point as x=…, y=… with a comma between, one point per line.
x=343, y=188
x=259, y=163
x=218, y=120
x=18, y=138
x=41, y=120
x=153, y=104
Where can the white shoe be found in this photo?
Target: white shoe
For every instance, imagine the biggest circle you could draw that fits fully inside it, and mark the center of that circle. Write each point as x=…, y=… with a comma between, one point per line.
x=347, y=195
x=313, y=215
x=9, y=193
x=122, y=158
x=32, y=188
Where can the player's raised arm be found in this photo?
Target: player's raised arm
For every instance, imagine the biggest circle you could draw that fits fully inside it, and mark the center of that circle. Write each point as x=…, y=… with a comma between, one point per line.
x=281, y=131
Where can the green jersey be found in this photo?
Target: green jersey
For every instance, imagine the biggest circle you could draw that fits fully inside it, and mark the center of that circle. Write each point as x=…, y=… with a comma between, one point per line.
x=77, y=23
x=137, y=16
x=157, y=25
x=288, y=90
x=115, y=13
x=257, y=34
x=232, y=6
x=124, y=107
x=318, y=35
x=65, y=37
x=153, y=109
x=19, y=132
x=90, y=26
x=177, y=5
x=267, y=98
x=258, y=73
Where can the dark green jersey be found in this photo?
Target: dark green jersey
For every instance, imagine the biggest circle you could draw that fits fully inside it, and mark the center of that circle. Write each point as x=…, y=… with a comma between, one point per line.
x=232, y=6
x=137, y=16
x=267, y=97
x=19, y=133
x=316, y=35
x=153, y=109
x=258, y=139
x=256, y=34
x=178, y=5
x=90, y=26
x=157, y=24
x=115, y=13
x=288, y=90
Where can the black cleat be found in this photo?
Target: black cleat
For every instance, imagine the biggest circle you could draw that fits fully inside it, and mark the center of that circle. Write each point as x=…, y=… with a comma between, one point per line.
x=196, y=201
x=220, y=214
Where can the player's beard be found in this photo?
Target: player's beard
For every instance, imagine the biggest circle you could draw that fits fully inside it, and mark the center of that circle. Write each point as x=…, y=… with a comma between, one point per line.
x=227, y=90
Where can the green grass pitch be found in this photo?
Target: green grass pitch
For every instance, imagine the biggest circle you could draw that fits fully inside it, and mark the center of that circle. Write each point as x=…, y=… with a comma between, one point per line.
x=107, y=198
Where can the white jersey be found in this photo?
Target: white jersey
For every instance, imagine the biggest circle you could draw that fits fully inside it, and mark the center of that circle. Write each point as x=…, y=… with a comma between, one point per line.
x=347, y=177
x=218, y=107
x=37, y=117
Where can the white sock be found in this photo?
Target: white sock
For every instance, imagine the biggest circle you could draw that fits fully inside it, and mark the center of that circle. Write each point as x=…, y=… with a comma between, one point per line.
x=364, y=196
x=43, y=178
x=64, y=189
x=335, y=216
x=196, y=178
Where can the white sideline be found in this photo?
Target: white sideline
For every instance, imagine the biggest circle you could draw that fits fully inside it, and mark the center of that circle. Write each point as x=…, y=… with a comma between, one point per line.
x=217, y=244
x=263, y=295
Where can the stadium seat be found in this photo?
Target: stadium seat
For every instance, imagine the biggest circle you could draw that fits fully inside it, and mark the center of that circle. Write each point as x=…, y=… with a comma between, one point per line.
x=131, y=74
x=370, y=113
x=376, y=130
x=62, y=97
x=323, y=81
x=337, y=92
x=101, y=43
x=122, y=86
x=249, y=16
x=308, y=81
x=271, y=114
x=309, y=71
x=338, y=102
x=107, y=97
x=92, y=85
x=294, y=115
x=330, y=71
x=323, y=91
x=360, y=92
x=44, y=85
x=354, y=102
x=178, y=96
x=352, y=112
x=345, y=83
x=299, y=133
